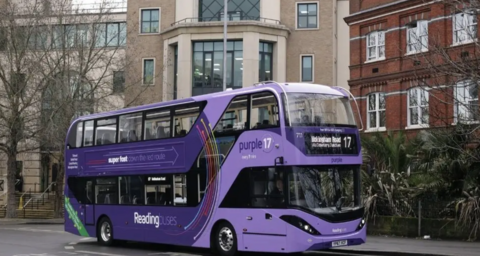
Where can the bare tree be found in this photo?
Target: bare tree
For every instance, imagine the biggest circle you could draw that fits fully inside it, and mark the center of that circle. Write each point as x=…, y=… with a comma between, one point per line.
x=448, y=68
x=59, y=61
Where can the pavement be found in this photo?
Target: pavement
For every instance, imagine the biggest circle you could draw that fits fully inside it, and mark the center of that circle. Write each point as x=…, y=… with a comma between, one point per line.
x=4, y=221
x=412, y=246
x=22, y=237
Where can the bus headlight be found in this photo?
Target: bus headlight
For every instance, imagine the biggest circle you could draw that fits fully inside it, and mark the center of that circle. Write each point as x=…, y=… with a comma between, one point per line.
x=300, y=223
x=361, y=224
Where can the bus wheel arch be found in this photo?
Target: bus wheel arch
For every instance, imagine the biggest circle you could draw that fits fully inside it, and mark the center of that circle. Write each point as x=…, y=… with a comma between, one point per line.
x=104, y=230
x=224, y=228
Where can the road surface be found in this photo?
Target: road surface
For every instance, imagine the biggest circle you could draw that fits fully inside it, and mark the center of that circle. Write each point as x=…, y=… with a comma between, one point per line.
x=51, y=240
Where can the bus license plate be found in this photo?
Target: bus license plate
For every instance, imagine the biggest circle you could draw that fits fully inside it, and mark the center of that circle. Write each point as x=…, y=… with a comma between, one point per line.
x=339, y=243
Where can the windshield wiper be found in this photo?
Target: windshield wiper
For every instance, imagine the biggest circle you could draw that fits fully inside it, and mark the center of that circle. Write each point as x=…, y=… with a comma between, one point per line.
x=339, y=203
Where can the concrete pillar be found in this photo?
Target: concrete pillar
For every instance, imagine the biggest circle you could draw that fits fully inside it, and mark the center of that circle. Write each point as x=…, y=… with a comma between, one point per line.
x=270, y=9
x=280, y=60
x=168, y=71
x=184, y=79
x=186, y=9
x=250, y=58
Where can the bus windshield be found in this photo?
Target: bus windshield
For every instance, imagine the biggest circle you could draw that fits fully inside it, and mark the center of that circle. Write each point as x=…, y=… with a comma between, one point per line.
x=314, y=109
x=323, y=189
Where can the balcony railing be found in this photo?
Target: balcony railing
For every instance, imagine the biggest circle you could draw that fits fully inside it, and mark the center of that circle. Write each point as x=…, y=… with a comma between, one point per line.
x=233, y=19
x=100, y=6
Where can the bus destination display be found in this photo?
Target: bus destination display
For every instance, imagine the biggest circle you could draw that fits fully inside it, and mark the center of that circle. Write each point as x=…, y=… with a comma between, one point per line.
x=330, y=144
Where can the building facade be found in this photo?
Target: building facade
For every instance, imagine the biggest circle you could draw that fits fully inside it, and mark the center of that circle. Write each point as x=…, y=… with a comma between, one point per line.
x=404, y=69
x=176, y=47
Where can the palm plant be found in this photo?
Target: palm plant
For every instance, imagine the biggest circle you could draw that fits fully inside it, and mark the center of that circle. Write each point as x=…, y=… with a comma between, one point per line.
x=385, y=192
x=451, y=171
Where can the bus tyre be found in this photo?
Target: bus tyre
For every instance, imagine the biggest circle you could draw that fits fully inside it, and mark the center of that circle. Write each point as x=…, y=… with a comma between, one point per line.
x=225, y=240
x=105, y=232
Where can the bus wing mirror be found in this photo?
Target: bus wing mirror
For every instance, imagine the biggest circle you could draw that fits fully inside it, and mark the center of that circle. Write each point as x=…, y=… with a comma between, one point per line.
x=356, y=104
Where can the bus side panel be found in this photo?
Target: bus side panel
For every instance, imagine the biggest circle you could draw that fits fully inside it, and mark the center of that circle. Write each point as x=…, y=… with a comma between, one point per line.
x=257, y=148
x=74, y=221
x=154, y=224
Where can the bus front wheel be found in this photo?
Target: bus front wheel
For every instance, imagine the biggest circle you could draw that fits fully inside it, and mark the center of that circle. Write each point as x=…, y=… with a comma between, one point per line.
x=105, y=231
x=225, y=240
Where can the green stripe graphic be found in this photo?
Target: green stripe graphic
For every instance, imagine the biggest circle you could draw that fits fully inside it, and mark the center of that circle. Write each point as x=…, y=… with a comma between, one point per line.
x=73, y=215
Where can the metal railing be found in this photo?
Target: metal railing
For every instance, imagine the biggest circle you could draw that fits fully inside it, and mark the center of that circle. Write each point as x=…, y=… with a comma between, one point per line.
x=39, y=200
x=5, y=192
x=98, y=6
x=232, y=19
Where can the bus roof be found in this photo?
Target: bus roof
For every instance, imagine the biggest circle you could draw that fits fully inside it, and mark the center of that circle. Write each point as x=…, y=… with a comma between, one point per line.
x=279, y=87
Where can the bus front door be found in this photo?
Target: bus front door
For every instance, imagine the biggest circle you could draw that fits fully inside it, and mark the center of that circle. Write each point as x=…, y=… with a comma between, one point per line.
x=88, y=204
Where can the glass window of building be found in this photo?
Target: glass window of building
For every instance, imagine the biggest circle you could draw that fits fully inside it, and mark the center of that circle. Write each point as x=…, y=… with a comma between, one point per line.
x=148, y=71
x=307, y=15
x=208, y=66
x=212, y=10
x=150, y=21
x=265, y=62
x=307, y=68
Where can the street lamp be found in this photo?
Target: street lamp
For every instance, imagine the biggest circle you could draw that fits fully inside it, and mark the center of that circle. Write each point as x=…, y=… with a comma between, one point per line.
x=225, y=8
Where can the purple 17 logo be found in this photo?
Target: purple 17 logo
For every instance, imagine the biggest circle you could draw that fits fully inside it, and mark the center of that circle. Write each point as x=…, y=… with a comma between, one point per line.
x=267, y=143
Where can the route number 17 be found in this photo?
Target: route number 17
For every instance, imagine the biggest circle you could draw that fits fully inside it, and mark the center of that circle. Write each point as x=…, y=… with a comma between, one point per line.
x=267, y=142
x=347, y=141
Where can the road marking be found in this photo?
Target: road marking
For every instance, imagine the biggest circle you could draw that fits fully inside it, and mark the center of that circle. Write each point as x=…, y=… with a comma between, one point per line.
x=86, y=238
x=73, y=243
x=69, y=247
x=100, y=253
x=174, y=254
x=34, y=230
x=35, y=254
x=71, y=253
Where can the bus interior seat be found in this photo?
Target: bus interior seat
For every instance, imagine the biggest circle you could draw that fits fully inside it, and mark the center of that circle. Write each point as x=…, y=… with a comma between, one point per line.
x=161, y=132
x=148, y=134
x=106, y=139
x=135, y=198
x=123, y=136
x=132, y=135
x=107, y=199
x=306, y=119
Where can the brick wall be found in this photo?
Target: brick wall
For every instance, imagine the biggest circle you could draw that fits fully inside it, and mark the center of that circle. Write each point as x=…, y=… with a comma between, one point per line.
x=399, y=71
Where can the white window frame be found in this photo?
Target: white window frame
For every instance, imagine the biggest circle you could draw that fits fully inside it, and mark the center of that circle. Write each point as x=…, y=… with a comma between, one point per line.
x=377, y=110
x=318, y=14
x=301, y=67
x=464, y=102
x=418, y=106
x=143, y=71
x=420, y=41
x=140, y=20
x=376, y=45
x=466, y=28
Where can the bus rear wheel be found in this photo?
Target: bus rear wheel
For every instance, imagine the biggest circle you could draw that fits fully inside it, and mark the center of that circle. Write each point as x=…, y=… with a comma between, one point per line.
x=105, y=231
x=225, y=240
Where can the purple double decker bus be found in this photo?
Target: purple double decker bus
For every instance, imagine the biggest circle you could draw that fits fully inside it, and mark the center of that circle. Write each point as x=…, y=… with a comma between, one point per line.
x=270, y=168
